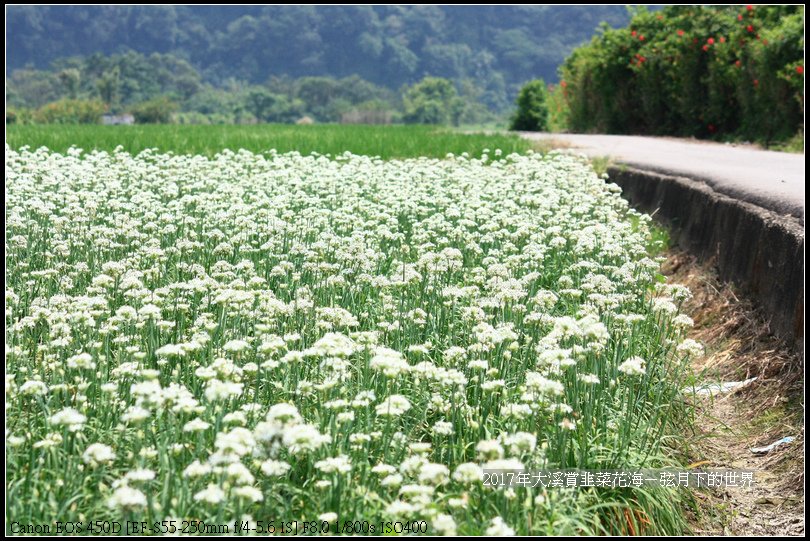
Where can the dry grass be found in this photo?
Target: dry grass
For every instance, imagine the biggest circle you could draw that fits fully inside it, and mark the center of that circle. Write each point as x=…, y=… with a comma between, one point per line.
x=739, y=346
x=739, y=342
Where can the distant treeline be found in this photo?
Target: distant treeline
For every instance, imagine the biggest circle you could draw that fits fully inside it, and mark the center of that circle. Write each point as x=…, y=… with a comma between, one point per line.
x=499, y=47
x=161, y=88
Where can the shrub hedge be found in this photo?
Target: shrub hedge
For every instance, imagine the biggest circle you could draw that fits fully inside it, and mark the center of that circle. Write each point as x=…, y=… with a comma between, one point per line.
x=704, y=71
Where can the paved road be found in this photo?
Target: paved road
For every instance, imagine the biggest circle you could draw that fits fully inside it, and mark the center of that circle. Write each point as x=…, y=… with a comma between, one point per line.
x=774, y=180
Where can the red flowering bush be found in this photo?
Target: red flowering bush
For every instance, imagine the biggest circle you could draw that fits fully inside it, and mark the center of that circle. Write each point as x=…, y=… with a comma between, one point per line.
x=711, y=71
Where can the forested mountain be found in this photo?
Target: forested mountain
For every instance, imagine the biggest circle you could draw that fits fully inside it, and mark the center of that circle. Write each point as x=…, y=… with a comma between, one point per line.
x=496, y=47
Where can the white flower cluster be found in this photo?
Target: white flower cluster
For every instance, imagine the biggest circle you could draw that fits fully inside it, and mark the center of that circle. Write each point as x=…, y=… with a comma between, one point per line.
x=345, y=337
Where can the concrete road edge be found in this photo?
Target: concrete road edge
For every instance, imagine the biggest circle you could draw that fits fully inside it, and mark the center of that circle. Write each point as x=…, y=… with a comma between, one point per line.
x=758, y=250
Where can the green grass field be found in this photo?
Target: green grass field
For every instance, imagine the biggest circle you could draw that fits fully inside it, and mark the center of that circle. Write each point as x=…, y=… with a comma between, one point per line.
x=384, y=141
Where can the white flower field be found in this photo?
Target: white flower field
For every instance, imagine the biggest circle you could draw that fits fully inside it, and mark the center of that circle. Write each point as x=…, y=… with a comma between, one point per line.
x=257, y=339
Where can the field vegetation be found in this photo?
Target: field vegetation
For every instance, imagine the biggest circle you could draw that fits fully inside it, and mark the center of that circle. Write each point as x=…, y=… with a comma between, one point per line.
x=383, y=141
x=245, y=337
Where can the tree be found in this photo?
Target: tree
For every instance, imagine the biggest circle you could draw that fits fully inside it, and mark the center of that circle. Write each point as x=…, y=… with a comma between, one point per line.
x=433, y=100
x=268, y=107
x=474, y=110
x=67, y=111
x=109, y=87
x=318, y=93
x=532, y=108
x=32, y=88
x=155, y=111
x=70, y=79
x=259, y=102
